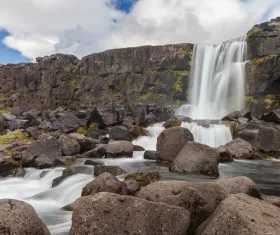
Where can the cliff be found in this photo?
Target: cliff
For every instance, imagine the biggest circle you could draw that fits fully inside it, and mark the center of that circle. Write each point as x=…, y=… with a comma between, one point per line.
x=148, y=74
x=263, y=70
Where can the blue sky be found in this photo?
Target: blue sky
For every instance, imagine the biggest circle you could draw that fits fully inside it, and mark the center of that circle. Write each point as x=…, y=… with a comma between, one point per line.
x=78, y=30
x=8, y=55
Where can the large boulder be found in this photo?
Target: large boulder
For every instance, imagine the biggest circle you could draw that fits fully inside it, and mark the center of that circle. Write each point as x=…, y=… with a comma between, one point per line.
x=42, y=153
x=85, y=143
x=120, y=133
x=144, y=178
x=127, y=215
x=119, y=149
x=73, y=170
x=197, y=158
x=242, y=214
x=240, y=149
x=105, y=182
x=69, y=147
x=263, y=136
x=171, y=141
x=67, y=123
x=18, y=218
x=201, y=199
x=114, y=170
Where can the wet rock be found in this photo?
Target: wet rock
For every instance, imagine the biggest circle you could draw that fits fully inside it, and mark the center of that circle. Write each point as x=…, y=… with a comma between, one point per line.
x=273, y=116
x=201, y=199
x=127, y=215
x=63, y=161
x=20, y=218
x=240, y=149
x=172, y=123
x=114, y=170
x=225, y=156
x=198, y=159
x=120, y=133
x=7, y=165
x=119, y=149
x=144, y=178
x=138, y=148
x=73, y=170
x=137, y=131
x=171, y=141
x=93, y=163
x=85, y=143
x=98, y=152
x=242, y=214
x=20, y=172
x=69, y=207
x=150, y=155
x=42, y=153
x=106, y=182
x=69, y=147
x=132, y=187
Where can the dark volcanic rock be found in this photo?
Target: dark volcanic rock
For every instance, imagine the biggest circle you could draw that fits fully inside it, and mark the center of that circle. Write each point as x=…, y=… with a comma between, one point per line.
x=42, y=153
x=225, y=155
x=93, y=163
x=197, y=158
x=69, y=147
x=171, y=141
x=172, y=123
x=273, y=116
x=67, y=123
x=242, y=214
x=137, y=131
x=20, y=218
x=263, y=136
x=150, y=155
x=7, y=165
x=127, y=215
x=85, y=143
x=120, y=133
x=98, y=152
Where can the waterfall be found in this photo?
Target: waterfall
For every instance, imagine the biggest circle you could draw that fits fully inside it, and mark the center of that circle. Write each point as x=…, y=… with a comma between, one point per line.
x=216, y=88
x=217, y=80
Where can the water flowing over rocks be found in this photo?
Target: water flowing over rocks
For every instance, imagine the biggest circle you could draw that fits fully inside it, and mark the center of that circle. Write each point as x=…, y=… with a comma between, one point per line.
x=241, y=214
x=127, y=215
x=20, y=218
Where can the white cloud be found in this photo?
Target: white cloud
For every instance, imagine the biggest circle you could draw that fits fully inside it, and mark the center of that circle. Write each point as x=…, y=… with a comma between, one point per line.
x=40, y=27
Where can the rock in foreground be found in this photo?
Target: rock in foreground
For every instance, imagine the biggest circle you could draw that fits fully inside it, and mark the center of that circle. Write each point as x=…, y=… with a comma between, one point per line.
x=197, y=158
x=241, y=214
x=171, y=141
x=19, y=218
x=108, y=214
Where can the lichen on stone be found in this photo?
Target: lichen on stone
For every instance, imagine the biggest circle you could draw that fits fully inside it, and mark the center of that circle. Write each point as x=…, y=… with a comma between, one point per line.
x=67, y=69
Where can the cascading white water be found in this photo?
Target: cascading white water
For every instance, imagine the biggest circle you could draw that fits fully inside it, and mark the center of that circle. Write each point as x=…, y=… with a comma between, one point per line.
x=217, y=80
x=217, y=88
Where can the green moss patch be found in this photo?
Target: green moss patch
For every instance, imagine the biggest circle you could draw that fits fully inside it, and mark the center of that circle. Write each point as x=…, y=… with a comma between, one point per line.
x=250, y=100
x=4, y=109
x=13, y=136
x=3, y=97
x=186, y=51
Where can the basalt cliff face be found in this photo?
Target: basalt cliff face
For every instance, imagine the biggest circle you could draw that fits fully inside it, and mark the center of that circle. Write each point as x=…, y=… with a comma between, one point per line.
x=263, y=70
x=148, y=74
